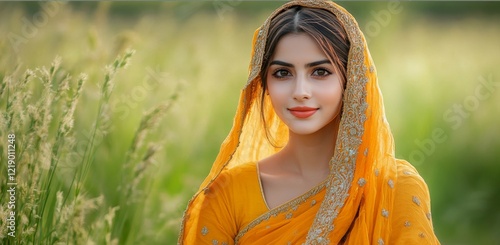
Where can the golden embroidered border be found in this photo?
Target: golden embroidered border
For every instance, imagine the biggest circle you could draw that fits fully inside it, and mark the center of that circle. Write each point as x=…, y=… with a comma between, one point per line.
x=291, y=205
x=351, y=129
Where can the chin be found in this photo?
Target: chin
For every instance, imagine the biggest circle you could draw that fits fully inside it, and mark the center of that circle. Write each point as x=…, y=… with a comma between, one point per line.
x=304, y=130
x=308, y=128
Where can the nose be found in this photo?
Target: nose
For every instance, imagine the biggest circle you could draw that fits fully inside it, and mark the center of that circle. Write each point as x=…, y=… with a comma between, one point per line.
x=301, y=91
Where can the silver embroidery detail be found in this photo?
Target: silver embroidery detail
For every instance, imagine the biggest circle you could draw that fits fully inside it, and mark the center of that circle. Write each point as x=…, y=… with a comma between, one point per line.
x=366, y=152
x=279, y=210
x=377, y=172
x=407, y=223
x=289, y=215
x=215, y=242
x=421, y=235
x=361, y=182
x=313, y=203
x=428, y=215
x=343, y=164
x=352, y=152
x=204, y=231
x=380, y=241
x=391, y=183
x=385, y=213
x=416, y=200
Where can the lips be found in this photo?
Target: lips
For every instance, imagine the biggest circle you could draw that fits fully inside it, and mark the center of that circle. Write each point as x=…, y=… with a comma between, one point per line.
x=302, y=111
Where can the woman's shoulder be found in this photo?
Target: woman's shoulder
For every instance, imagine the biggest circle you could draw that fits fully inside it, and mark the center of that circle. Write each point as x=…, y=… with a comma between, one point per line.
x=242, y=169
x=237, y=176
x=240, y=172
x=412, y=193
x=411, y=217
x=408, y=174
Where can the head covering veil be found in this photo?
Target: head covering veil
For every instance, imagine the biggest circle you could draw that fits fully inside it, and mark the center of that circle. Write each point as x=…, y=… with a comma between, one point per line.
x=363, y=161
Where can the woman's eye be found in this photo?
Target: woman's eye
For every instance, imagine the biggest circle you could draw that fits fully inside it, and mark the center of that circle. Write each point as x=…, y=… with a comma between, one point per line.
x=281, y=73
x=321, y=72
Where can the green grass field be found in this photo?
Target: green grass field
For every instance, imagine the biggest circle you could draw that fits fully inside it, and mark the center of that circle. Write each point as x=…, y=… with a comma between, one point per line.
x=116, y=161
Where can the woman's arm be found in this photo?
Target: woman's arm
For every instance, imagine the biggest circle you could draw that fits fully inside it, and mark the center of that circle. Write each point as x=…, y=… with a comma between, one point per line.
x=411, y=220
x=210, y=218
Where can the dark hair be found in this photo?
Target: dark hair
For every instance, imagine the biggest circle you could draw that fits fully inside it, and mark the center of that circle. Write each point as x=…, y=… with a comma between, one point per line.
x=322, y=25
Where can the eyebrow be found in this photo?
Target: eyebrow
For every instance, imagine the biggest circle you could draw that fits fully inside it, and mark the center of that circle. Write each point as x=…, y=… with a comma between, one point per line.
x=312, y=64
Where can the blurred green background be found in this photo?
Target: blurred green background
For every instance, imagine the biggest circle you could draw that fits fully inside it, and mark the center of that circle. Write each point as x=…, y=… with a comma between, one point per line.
x=437, y=62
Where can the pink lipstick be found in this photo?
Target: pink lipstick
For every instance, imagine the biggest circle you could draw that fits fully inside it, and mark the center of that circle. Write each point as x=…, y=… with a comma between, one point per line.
x=302, y=111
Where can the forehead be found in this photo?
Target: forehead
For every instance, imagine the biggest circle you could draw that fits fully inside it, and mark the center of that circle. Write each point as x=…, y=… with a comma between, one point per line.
x=298, y=48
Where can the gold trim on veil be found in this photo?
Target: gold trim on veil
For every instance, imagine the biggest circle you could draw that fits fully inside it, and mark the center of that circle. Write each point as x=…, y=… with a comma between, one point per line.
x=364, y=152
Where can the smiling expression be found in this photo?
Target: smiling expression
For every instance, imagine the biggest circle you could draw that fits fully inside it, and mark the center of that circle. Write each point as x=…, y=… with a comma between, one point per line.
x=304, y=90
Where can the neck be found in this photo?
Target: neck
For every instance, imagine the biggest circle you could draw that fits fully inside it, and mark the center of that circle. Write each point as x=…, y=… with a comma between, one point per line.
x=309, y=155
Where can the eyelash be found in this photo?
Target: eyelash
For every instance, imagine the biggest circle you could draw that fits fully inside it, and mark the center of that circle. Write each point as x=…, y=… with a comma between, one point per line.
x=275, y=73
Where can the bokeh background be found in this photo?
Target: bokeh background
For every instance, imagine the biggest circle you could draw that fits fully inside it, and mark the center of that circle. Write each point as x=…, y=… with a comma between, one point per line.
x=437, y=62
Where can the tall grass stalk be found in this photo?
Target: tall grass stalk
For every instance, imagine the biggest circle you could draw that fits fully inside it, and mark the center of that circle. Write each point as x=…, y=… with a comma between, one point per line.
x=40, y=109
x=138, y=159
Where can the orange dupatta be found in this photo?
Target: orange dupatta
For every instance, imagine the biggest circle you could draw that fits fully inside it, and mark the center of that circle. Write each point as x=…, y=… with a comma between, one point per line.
x=369, y=197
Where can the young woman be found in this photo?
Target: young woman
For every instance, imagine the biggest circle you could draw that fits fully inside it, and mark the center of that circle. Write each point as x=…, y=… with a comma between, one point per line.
x=310, y=157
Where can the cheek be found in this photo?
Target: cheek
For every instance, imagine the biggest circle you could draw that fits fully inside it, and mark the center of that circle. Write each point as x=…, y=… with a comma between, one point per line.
x=278, y=99
x=276, y=91
x=337, y=97
x=332, y=95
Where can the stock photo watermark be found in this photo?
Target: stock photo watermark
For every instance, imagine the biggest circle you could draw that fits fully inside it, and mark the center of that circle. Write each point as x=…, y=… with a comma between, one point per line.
x=30, y=27
x=139, y=93
x=454, y=117
x=123, y=107
x=381, y=19
x=222, y=7
x=12, y=184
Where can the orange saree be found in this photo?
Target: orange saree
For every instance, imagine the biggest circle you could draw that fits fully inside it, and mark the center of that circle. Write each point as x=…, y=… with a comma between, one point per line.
x=369, y=196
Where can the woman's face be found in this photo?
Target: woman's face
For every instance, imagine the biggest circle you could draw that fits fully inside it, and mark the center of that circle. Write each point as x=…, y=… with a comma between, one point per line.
x=304, y=90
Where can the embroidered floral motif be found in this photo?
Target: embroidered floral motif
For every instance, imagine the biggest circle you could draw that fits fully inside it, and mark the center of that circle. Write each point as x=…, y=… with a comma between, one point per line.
x=406, y=172
x=361, y=182
x=380, y=241
x=428, y=215
x=280, y=209
x=416, y=200
x=391, y=183
x=350, y=132
x=385, y=213
x=407, y=223
x=204, y=231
